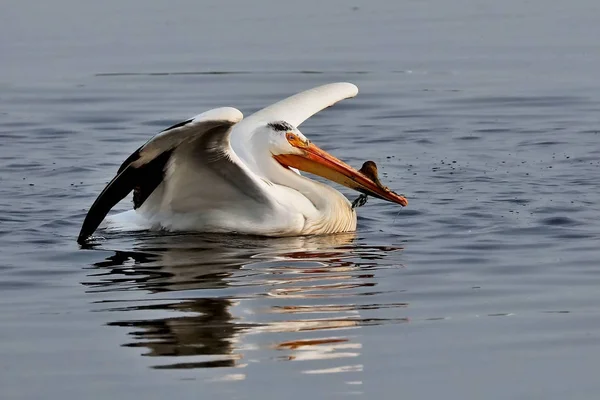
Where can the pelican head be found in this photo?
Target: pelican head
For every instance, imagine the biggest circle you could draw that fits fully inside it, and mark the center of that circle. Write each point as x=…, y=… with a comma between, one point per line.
x=291, y=149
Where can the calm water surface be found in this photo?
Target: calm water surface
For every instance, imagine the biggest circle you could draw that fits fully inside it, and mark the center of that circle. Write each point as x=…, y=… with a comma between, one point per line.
x=486, y=287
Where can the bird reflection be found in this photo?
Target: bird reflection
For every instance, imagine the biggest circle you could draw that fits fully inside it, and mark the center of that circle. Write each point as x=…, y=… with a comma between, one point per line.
x=203, y=301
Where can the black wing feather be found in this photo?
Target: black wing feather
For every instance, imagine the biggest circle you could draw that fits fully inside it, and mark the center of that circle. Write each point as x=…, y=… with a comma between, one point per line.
x=142, y=180
x=115, y=191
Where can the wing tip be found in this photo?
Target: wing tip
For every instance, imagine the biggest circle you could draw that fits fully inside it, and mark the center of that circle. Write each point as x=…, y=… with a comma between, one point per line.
x=350, y=87
x=347, y=89
x=82, y=238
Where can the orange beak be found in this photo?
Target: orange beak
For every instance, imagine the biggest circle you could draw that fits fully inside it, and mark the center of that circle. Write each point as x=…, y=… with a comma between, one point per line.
x=319, y=162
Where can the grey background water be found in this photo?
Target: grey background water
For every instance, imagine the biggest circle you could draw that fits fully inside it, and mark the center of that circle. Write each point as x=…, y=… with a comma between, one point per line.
x=485, y=114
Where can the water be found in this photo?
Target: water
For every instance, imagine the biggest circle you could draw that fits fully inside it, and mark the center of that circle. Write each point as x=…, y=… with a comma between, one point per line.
x=486, y=286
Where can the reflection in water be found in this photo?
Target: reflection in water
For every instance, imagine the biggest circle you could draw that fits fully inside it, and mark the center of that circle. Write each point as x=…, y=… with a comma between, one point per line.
x=218, y=301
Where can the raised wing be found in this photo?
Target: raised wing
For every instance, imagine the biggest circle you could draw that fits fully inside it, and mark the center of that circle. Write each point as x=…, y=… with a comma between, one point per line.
x=202, y=144
x=298, y=108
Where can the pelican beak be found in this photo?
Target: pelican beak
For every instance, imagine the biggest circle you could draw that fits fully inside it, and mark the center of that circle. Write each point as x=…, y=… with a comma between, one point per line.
x=317, y=161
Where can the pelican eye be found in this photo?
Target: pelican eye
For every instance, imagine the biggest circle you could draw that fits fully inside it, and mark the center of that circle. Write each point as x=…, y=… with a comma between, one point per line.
x=295, y=141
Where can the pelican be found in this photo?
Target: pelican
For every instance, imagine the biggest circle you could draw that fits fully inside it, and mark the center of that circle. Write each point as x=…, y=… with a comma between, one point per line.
x=220, y=173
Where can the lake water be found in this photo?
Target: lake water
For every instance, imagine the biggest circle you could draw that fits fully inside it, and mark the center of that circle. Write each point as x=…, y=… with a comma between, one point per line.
x=486, y=115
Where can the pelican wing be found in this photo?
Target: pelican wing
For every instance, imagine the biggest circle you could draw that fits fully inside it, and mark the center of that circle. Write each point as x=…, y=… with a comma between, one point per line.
x=298, y=108
x=181, y=167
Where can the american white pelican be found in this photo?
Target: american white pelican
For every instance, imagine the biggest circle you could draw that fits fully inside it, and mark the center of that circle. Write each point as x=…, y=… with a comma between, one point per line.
x=219, y=173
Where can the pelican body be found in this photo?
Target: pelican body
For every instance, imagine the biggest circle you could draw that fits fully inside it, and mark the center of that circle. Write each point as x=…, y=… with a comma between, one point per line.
x=218, y=172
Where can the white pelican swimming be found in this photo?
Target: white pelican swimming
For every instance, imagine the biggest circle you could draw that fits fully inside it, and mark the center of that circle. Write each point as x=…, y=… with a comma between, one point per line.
x=219, y=173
